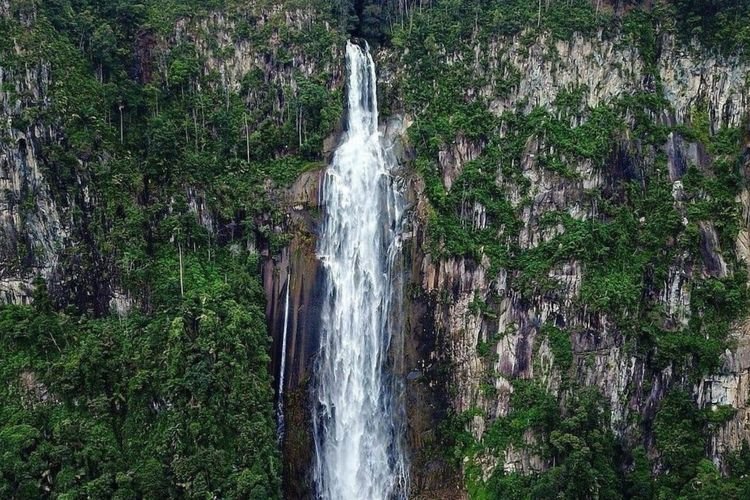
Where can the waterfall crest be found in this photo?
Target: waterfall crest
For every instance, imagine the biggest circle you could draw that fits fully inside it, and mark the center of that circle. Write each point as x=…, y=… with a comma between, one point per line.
x=357, y=410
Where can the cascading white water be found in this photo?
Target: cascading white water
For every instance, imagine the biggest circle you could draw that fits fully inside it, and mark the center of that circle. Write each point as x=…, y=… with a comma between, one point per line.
x=358, y=412
x=282, y=369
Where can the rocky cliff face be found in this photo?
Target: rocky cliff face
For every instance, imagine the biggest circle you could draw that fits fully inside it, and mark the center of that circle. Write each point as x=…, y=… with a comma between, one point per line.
x=484, y=350
x=32, y=233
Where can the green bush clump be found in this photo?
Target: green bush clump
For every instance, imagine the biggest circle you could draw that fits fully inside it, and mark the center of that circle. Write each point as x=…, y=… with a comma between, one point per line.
x=581, y=450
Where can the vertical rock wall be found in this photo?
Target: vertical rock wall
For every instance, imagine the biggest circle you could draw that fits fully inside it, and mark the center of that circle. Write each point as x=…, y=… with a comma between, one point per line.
x=448, y=330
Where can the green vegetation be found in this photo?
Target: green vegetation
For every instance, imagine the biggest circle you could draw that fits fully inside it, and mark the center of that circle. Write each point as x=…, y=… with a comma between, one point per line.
x=176, y=403
x=584, y=453
x=577, y=442
x=719, y=24
x=560, y=345
x=587, y=460
x=679, y=437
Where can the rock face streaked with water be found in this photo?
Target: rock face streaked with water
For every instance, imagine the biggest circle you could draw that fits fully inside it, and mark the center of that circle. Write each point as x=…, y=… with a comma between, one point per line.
x=357, y=410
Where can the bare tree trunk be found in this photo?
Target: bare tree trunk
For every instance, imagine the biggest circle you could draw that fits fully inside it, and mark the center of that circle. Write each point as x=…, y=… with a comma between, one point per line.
x=247, y=140
x=539, y=15
x=299, y=125
x=195, y=128
x=122, y=135
x=182, y=288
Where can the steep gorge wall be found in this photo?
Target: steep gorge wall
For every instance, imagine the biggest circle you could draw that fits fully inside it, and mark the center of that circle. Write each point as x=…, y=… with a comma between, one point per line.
x=32, y=232
x=489, y=327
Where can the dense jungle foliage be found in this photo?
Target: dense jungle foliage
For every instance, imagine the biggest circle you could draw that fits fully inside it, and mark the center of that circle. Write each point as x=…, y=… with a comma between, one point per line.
x=174, y=399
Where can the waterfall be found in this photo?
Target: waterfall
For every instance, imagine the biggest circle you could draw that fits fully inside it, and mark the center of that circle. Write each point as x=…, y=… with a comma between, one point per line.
x=282, y=370
x=358, y=409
